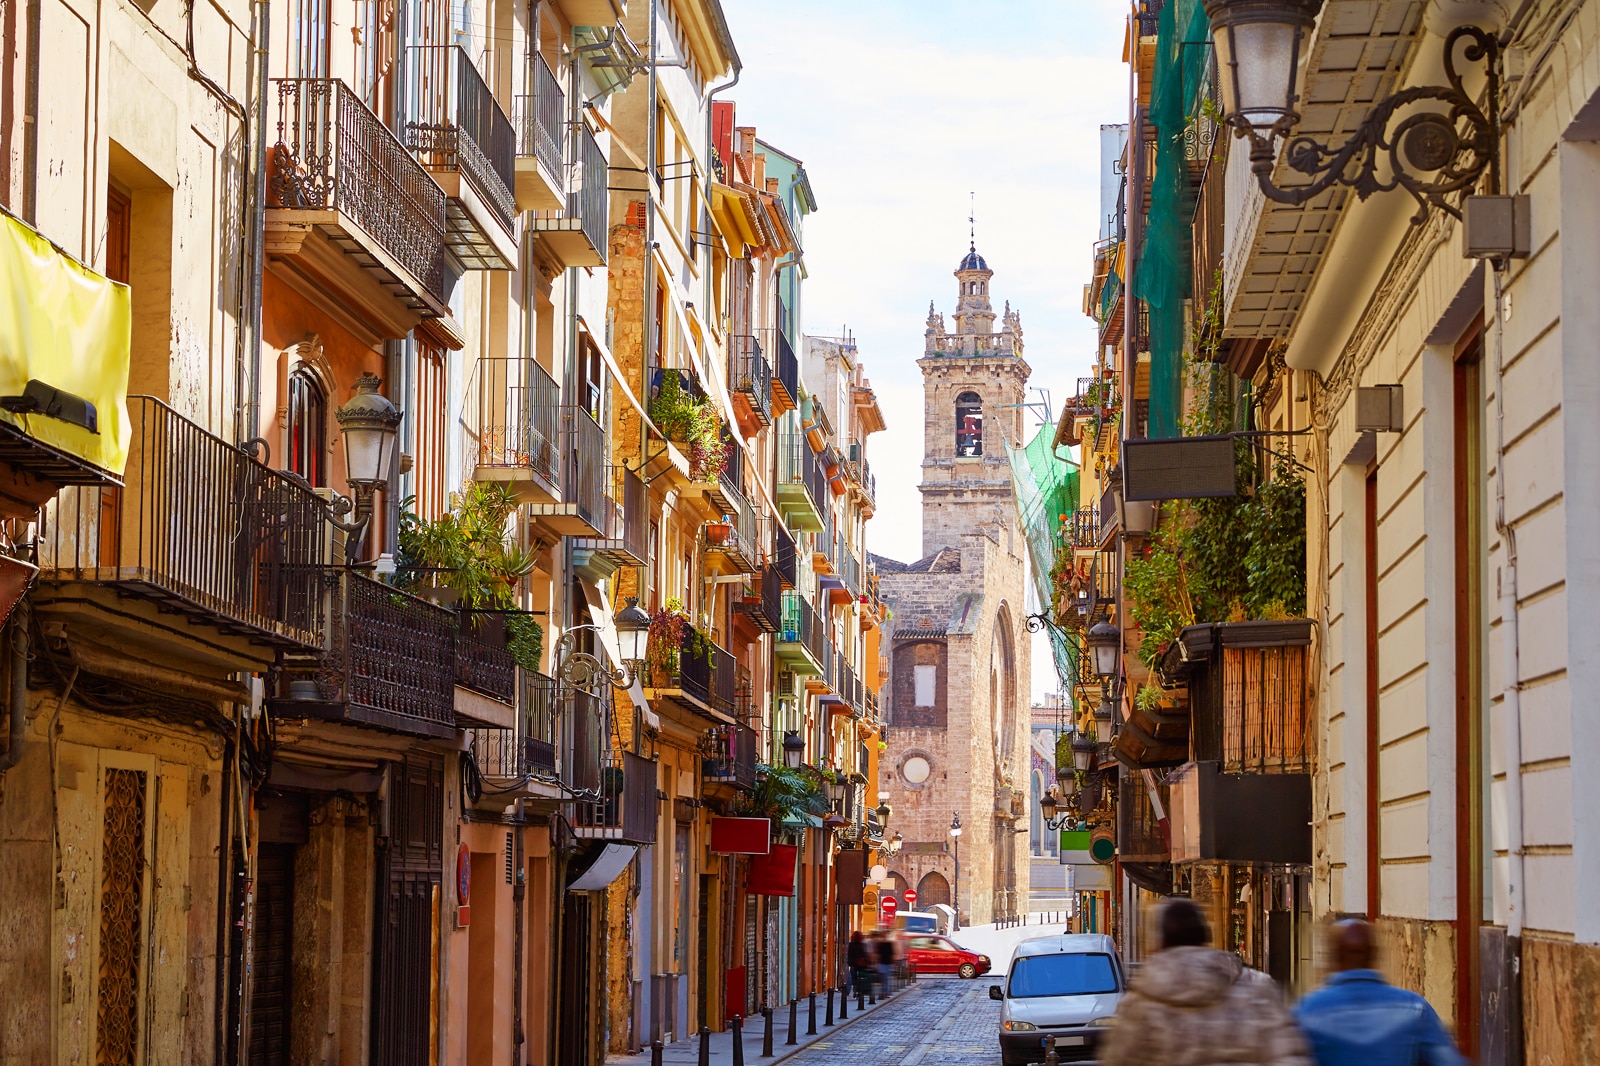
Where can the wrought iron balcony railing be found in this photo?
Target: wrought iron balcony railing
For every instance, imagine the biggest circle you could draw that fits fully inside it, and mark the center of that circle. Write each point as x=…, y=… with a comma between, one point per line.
x=724, y=680
x=388, y=661
x=751, y=376
x=582, y=509
x=453, y=122
x=625, y=539
x=765, y=609
x=783, y=556
x=802, y=626
x=482, y=662
x=728, y=754
x=519, y=426
x=528, y=751
x=624, y=808
x=200, y=528
x=541, y=119
x=802, y=483
x=740, y=544
x=332, y=154
x=579, y=234
x=785, y=373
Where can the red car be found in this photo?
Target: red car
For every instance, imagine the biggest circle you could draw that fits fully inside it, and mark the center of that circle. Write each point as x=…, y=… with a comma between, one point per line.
x=937, y=954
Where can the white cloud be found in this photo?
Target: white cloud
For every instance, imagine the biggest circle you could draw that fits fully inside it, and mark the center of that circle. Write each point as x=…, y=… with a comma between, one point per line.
x=899, y=109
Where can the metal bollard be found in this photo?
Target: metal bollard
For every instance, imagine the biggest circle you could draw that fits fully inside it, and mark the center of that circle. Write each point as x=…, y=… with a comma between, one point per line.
x=655, y=1053
x=766, y=1032
x=738, y=1040
x=1050, y=1056
x=829, y=1020
x=794, y=1019
x=705, y=1046
x=811, y=1017
x=861, y=998
x=844, y=1003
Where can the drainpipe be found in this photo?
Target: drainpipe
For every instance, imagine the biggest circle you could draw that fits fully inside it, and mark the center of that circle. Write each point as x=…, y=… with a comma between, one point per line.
x=30, y=118
x=519, y=893
x=18, y=708
x=256, y=216
x=1511, y=692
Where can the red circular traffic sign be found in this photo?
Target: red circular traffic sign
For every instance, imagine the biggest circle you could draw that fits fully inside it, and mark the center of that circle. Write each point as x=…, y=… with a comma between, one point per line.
x=888, y=904
x=911, y=896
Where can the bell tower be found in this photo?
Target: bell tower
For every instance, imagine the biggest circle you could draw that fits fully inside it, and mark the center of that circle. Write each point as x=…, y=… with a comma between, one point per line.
x=974, y=380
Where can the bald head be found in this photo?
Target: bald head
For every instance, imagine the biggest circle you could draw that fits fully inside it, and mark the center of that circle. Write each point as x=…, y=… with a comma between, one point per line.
x=1353, y=944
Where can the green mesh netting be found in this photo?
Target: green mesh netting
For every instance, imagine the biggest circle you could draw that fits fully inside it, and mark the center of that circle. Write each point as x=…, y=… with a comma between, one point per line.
x=1046, y=488
x=1162, y=271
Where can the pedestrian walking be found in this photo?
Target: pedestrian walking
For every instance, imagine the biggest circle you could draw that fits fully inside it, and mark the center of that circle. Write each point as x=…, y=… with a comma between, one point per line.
x=885, y=950
x=1358, y=1019
x=858, y=956
x=1200, y=1006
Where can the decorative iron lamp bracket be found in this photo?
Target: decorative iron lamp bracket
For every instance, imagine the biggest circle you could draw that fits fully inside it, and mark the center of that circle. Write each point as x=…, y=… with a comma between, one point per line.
x=1429, y=142
x=584, y=671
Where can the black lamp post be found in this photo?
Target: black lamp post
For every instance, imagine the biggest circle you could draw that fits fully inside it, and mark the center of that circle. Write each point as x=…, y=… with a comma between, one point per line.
x=955, y=835
x=1261, y=47
x=794, y=750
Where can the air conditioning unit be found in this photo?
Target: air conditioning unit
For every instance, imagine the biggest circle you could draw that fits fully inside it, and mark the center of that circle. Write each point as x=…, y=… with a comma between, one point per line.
x=786, y=685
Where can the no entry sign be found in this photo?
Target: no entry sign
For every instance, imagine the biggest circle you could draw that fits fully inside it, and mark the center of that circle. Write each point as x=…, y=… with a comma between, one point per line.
x=911, y=896
x=888, y=904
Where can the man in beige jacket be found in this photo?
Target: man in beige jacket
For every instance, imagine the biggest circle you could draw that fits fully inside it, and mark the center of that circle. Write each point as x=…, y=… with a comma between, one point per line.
x=1197, y=1006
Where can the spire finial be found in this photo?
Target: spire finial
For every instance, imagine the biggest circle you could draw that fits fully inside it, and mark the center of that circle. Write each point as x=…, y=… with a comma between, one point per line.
x=972, y=224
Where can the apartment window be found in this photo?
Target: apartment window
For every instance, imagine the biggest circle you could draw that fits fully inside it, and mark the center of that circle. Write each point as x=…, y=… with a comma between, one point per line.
x=650, y=580
x=119, y=234
x=308, y=427
x=428, y=463
x=589, y=388
x=308, y=38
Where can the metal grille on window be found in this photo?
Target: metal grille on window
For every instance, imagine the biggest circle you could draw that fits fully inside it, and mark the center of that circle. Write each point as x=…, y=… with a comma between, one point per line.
x=121, y=918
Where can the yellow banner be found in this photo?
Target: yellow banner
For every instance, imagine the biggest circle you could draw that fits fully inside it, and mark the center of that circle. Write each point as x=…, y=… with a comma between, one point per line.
x=65, y=326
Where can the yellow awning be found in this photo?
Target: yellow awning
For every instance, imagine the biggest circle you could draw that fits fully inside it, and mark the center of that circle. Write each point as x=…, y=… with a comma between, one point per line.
x=728, y=204
x=68, y=328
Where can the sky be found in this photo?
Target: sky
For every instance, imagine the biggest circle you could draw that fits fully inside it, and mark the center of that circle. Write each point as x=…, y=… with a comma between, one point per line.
x=905, y=112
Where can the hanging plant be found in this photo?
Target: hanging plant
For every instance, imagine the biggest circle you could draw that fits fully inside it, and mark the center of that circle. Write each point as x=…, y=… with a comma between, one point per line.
x=466, y=555
x=692, y=421
x=781, y=793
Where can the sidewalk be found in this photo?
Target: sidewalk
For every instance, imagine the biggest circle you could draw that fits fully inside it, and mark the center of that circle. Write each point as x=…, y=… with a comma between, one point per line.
x=687, y=1052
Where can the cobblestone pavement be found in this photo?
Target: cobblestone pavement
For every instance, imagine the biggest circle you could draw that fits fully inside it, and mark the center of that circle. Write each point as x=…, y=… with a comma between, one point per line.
x=943, y=1022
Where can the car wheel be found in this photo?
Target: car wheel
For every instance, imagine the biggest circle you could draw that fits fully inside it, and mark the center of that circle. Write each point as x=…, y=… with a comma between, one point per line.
x=968, y=970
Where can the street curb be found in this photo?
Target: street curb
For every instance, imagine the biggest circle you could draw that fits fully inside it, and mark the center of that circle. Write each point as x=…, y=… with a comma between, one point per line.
x=837, y=1027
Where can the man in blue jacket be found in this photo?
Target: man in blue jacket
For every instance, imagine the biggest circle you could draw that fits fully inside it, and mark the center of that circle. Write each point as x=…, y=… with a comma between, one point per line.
x=1359, y=1019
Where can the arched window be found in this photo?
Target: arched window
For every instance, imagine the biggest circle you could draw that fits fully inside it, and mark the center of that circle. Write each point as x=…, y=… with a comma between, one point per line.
x=969, y=424
x=308, y=427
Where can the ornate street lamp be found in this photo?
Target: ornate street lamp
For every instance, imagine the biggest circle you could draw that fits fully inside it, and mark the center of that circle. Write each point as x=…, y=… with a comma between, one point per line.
x=1051, y=807
x=1083, y=749
x=1105, y=645
x=585, y=671
x=955, y=835
x=896, y=842
x=884, y=810
x=1261, y=47
x=794, y=750
x=633, y=631
x=1067, y=780
x=369, y=424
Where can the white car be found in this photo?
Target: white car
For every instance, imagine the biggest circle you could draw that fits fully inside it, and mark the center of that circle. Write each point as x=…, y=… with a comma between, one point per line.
x=1065, y=986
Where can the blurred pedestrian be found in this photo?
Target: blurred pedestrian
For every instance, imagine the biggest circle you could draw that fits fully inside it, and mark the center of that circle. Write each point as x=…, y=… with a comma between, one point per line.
x=885, y=950
x=1358, y=1019
x=1199, y=1006
x=858, y=956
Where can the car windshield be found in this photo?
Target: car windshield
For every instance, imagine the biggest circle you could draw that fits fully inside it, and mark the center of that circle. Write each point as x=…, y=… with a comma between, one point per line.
x=1062, y=975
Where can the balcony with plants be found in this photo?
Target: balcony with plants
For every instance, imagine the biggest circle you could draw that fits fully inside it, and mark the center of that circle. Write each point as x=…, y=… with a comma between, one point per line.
x=728, y=755
x=761, y=600
x=518, y=432
x=348, y=205
x=687, y=418
x=458, y=131
x=685, y=670
x=201, y=538
x=732, y=542
x=539, y=119
x=579, y=234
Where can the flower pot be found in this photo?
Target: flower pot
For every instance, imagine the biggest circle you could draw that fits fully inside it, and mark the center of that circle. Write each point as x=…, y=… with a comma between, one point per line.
x=719, y=532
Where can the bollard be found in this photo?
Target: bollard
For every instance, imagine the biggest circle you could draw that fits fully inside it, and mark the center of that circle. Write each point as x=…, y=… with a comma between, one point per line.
x=811, y=1017
x=844, y=1002
x=738, y=1040
x=829, y=1020
x=1050, y=1056
x=705, y=1046
x=655, y=1053
x=861, y=999
x=794, y=1019
x=766, y=1032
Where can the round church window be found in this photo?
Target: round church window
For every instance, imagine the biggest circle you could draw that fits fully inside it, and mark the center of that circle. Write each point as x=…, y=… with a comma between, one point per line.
x=915, y=770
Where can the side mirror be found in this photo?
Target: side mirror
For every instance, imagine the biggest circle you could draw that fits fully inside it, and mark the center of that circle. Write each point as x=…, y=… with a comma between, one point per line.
x=995, y=992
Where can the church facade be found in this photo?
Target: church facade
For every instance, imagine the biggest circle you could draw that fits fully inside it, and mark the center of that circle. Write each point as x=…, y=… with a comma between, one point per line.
x=957, y=700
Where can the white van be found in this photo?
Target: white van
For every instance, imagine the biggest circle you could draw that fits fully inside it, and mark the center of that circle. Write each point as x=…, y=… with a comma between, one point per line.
x=918, y=922
x=1065, y=986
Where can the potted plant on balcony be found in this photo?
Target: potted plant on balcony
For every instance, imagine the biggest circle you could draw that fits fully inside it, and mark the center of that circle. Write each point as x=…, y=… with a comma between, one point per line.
x=464, y=558
x=719, y=533
x=692, y=421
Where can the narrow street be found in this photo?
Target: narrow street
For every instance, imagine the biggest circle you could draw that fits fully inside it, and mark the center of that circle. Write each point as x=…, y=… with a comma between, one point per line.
x=946, y=1021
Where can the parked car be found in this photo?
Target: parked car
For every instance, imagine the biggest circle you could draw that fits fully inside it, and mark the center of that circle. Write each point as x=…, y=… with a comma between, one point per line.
x=1065, y=986
x=938, y=954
